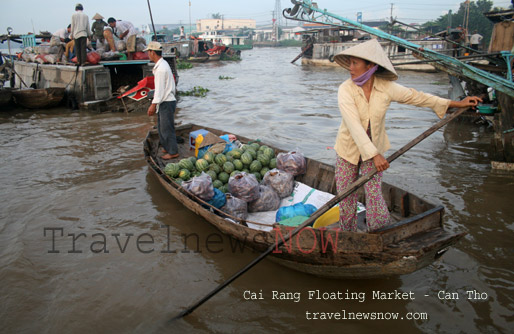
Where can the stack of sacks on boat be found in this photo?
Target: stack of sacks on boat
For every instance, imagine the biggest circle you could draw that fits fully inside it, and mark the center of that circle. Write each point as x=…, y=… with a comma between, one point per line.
x=248, y=181
x=102, y=48
x=45, y=53
x=48, y=53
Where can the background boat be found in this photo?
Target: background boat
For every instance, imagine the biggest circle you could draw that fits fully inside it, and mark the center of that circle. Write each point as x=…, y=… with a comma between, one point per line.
x=38, y=98
x=5, y=97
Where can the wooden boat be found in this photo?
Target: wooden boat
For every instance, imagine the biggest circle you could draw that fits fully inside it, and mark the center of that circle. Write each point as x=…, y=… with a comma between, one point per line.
x=5, y=97
x=412, y=241
x=38, y=98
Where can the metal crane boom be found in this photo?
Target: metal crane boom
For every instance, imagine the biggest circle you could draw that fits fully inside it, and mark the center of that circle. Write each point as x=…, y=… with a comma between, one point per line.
x=308, y=11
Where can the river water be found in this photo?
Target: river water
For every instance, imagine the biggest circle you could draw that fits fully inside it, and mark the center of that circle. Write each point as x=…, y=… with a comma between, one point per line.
x=73, y=180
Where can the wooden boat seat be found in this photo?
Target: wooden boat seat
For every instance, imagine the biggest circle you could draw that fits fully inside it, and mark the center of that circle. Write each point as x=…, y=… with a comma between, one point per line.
x=421, y=242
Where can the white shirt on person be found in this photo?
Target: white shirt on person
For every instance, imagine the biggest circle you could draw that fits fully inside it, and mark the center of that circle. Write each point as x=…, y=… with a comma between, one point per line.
x=164, y=83
x=475, y=39
x=62, y=33
x=122, y=26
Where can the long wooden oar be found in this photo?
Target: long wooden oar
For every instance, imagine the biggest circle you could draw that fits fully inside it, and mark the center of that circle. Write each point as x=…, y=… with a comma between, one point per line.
x=348, y=191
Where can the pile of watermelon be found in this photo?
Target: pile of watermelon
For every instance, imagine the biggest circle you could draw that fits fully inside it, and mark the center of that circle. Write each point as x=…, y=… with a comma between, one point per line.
x=250, y=158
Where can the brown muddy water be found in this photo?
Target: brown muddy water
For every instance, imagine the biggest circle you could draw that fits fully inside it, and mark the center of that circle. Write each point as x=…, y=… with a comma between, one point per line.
x=81, y=176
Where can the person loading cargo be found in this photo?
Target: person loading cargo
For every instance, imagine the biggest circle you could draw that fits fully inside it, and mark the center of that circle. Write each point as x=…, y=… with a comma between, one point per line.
x=125, y=31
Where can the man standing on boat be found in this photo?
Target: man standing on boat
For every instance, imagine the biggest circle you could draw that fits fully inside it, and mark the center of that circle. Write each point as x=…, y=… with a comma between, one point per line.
x=475, y=40
x=79, y=33
x=164, y=101
x=97, y=29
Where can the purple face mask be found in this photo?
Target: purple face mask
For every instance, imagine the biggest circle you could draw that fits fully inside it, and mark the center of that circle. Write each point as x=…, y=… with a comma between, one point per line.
x=364, y=77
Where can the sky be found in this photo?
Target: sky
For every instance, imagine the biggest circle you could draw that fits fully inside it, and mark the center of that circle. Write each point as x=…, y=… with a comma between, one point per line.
x=51, y=15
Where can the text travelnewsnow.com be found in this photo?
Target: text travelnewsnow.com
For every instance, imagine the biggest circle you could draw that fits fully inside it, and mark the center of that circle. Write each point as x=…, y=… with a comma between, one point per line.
x=347, y=315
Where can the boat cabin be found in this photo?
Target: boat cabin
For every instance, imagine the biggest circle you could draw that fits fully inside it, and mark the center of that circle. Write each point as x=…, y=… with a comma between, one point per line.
x=93, y=87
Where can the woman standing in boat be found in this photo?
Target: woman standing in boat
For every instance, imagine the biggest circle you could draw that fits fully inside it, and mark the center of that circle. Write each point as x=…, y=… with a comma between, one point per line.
x=361, y=140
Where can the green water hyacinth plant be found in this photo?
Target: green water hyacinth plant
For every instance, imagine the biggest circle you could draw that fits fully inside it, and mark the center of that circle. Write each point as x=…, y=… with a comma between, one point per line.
x=184, y=65
x=197, y=91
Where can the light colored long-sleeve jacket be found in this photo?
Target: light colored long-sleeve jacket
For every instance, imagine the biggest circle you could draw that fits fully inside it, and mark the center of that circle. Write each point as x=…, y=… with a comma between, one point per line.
x=79, y=25
x=352, y=141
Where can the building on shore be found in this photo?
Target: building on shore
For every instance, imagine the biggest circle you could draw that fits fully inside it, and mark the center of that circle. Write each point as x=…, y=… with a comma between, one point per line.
x=205, y=25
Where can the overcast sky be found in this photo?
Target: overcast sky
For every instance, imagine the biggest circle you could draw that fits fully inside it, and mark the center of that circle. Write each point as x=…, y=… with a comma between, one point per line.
x=51, y=15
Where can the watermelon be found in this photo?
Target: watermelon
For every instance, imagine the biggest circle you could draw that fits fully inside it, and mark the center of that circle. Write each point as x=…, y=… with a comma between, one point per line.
x=262, y=148
x=255, y=166
x=263, y=159
x=246, y=170
x=252, y=152
x=235, y=153
x=217, y=184
x=223, y=177
x=224, y=188
x=246, y=158
x=234, y=173
x=220, y=159
x=213, y=175
x=238, y=164
x=228, y=167
x=186, y=164
x=269, y=152
x=215, y=167
x=202, y=165
x=273, y=163
x=255, y=146
x=264, y=171
x=184, y=174
x=172, y=169
x=193, y=160
x=209, y=157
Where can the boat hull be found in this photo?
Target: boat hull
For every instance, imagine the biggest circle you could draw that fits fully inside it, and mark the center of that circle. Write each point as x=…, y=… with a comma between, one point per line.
x=413, y=241
x=39, y=98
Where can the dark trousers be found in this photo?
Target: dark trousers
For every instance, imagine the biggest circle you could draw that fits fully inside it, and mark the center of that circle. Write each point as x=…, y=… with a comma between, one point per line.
x=166, y=126
x=80, y=50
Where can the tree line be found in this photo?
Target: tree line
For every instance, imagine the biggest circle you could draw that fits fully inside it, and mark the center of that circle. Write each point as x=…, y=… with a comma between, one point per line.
x=476, y=19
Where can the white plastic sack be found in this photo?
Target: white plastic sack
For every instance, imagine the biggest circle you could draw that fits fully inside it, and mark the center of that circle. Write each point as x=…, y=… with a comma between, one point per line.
x=282, y=182
x=121, y=45
x=200, y=186
x=292, y=162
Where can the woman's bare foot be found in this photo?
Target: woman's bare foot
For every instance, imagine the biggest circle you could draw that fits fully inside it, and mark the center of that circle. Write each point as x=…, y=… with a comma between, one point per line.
x=169, y=156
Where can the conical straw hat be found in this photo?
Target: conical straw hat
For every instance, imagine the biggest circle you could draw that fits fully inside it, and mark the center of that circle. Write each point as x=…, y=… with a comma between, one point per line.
x=97, y=17
x=371, y=51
